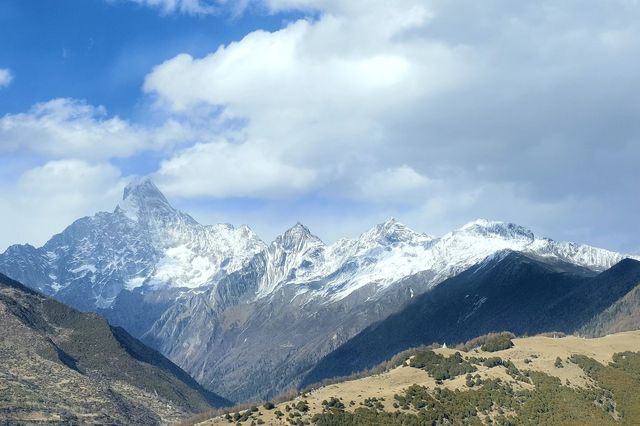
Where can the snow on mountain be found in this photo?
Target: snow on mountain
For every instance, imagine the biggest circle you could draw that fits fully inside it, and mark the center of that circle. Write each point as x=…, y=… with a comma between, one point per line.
x=190, y=255
x=144, y=242
x=299, y=257
x=147, y=243
x=291, y=257
x=391, y=251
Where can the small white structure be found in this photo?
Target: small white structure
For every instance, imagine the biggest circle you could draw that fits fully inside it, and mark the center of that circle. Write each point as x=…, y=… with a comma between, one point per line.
x=444, y=346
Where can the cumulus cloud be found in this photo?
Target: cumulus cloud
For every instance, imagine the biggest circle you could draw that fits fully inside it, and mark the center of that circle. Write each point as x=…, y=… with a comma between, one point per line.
x=310, y=101
x=222, y=169
x=83, y=177
x=5, y=77
x=64, y=128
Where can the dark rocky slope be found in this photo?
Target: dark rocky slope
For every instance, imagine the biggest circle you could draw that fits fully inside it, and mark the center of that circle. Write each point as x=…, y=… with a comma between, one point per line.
x=508, y=291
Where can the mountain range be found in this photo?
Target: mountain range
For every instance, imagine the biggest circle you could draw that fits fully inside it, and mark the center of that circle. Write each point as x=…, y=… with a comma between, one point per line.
x=249, y=319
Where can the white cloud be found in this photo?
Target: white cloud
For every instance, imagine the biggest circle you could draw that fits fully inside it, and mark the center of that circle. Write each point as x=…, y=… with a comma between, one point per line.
x=6, y=77
x=63, y=128
x=400, y=184
x=189, y=7
x=312, y=70
x=47, y=198
x=464, y=94
x=312, y=100
x=222, y=169
x=73, y=178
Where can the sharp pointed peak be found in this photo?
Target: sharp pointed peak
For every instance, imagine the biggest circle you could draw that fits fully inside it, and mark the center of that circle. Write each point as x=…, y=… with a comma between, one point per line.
x=298, y=232
x=299, y=225
x=394, y=231
x=298, y=229
x=143, y=187
x=392, y=222
x=142, y=198
x=481, y=222
x=498, y=228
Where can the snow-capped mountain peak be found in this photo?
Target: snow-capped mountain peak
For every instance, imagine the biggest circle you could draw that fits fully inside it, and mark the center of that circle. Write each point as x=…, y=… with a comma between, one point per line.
x=393, y=232
x=142, y=201
x=296, y=236
x=291, y=258
x=143, y=189
x=147, y=243
x=496, y=229
x=144, y=242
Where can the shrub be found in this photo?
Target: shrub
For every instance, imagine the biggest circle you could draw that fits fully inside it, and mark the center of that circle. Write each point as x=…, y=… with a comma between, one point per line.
x=497, y=343
x=440, y=367
x=480, y=341
x=333, y=404
x=494, y=361
x=302, y=406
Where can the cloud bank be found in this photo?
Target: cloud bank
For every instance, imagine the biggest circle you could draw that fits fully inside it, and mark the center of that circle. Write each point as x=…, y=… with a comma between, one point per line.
x=495, y=103
x=435, y=112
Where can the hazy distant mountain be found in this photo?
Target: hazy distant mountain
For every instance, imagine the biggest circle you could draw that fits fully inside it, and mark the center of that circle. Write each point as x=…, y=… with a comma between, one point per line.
x=61, y=365
x=225, y=306
x=624, y=315
x=506, y=291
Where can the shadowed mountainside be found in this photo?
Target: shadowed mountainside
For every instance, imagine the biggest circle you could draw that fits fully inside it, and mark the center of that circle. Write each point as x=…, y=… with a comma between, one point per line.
x=506, y=291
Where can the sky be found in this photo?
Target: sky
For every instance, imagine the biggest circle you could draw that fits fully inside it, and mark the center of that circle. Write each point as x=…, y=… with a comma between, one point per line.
x=337, y=114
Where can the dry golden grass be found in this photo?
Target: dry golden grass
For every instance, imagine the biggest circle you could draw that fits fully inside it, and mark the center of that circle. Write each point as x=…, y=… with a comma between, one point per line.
x=540, y=351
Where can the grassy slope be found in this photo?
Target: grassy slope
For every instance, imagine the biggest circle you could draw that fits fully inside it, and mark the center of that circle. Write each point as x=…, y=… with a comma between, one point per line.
x=555, y=395
x=63, y=364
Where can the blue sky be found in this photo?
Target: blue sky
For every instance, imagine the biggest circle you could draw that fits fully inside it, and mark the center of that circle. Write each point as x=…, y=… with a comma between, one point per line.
x=101, y=51
x=334, y=113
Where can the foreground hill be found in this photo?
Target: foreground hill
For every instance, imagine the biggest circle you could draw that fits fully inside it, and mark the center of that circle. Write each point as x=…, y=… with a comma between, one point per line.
x=60, y=365
x=540, y=380
x=508, y=290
